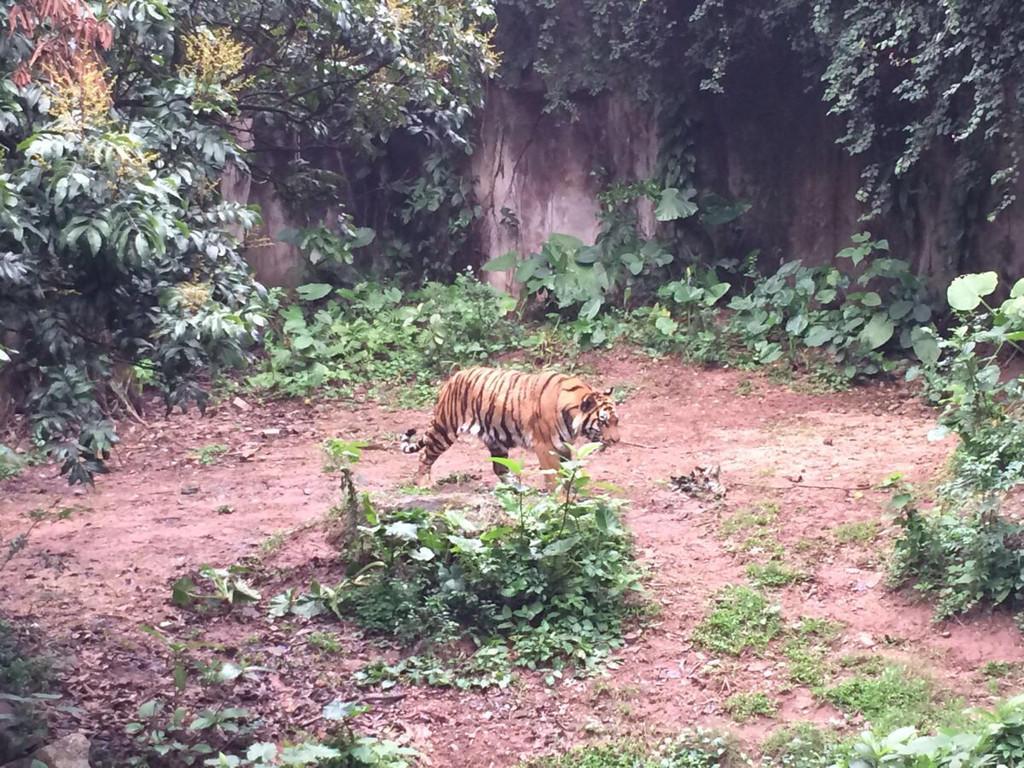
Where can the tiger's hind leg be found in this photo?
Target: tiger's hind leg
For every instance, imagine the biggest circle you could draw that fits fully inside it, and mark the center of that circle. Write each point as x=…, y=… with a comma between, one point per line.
x=436, y=441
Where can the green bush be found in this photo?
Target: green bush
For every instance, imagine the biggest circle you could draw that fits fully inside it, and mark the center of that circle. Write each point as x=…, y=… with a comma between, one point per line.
x=550, y=580
x=338, y=337
x=850, y=319
x=964, y=558
x=963, y=372
x=24, y=677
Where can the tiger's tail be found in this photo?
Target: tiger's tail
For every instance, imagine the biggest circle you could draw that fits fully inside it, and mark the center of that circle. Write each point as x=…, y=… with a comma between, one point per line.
x=409, y=445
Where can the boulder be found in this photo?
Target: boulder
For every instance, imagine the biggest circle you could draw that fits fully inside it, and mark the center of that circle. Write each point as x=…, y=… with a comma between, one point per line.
x=70, y=752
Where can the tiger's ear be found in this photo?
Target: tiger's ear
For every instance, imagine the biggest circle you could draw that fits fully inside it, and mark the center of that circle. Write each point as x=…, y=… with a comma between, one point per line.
x=589, y=402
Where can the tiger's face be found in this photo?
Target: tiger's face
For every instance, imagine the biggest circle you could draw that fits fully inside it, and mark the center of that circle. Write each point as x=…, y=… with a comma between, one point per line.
x=600, y=420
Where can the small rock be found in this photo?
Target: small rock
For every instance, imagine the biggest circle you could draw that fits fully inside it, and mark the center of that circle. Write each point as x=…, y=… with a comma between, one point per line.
x=866, y=640
x=270, y=432
x=70, y=752
x=307, y=492
x=241, y=405
x=188, y=490
x=827, y=441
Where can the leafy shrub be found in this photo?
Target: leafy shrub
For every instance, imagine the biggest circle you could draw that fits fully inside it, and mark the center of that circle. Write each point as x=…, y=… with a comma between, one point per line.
x=23, y=680
x=965, y=557
x=989, y=738
x=547, y=584
x=116, y=250
x=851, y=320
x=687, y=323
x=375, y=335
x=963, y=373
x=226, y=738
x=698, y=748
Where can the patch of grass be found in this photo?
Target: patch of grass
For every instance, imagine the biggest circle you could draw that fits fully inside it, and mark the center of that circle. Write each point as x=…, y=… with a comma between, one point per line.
x=209, y=454
x=742, y=619
x=865, y=663
x=411, y=489
x=619, y=754
x=749, y=704
x=325, y=641
x=825, y=629
x=997, y=669
x=800, y=745
x=761, y=516
x=694, y=749
x=224, y=509
x=806, y=650
x=762, y=543
x=807, y=546
x=745, y=387
x=774, y=575
x=858, y=532
x=806, y=663
x=273, y=542
x=893, y=698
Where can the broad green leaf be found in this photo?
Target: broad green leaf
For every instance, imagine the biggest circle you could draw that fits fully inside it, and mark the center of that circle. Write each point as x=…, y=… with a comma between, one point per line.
x=716, y=210
x=925, y=346
x=590, y=309
x=1018, y=289
x=871, y=299
x=422, y=554
x=717, y=291
x=343, y=710
x=666, y=325
x=402, y=530
x=900, y=309
x=313, y=291
x=878, y=330
x=361, y=237
x=819, y=335
x=797, y=324
x=92, y=236
x=966, y=291
x=262, y=751
x=503, y=262
x=675, y=204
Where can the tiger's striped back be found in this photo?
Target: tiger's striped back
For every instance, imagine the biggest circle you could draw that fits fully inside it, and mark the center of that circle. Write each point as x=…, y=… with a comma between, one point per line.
x=506, y=409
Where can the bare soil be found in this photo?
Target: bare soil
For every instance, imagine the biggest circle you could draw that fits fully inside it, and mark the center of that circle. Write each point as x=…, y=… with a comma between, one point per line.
x=92, y=580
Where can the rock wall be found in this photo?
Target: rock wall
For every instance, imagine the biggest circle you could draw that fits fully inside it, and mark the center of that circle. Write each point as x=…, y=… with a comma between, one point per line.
x=539, y=167
x=767, y=141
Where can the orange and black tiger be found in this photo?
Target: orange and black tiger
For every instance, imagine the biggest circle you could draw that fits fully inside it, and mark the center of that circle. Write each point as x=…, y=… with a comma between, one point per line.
x=507, y=409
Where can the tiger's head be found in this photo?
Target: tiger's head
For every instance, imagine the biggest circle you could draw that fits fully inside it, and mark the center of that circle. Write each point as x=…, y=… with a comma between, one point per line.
x=600, y=420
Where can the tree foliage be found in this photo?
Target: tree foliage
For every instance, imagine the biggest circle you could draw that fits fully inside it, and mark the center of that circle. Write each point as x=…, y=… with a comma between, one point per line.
x=120, y=260
x=909, y=83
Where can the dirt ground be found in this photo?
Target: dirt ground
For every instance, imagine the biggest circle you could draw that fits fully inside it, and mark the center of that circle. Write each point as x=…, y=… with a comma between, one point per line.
x=90, y=581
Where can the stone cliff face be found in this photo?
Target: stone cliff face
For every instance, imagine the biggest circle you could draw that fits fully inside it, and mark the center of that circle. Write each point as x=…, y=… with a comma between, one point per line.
x=534, y=170
x=767, y=141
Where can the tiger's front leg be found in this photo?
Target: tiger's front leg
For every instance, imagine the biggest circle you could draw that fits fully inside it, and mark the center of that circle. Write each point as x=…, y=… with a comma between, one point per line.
x=550, y=459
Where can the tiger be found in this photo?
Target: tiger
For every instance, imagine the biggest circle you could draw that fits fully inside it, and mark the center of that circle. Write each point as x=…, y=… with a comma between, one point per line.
x=507, y=409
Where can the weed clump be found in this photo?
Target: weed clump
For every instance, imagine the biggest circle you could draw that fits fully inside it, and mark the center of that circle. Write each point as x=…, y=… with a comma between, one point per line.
x=545, y=586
